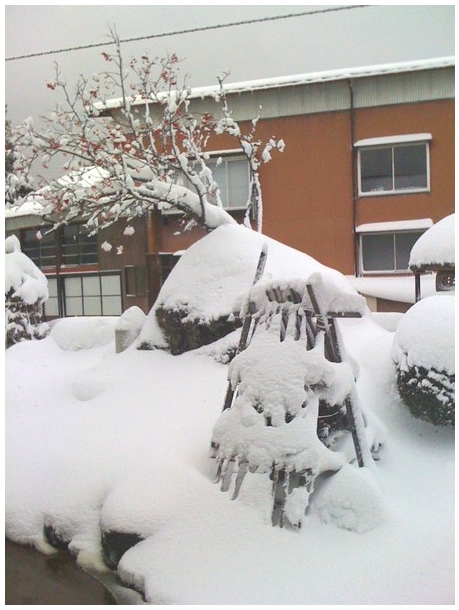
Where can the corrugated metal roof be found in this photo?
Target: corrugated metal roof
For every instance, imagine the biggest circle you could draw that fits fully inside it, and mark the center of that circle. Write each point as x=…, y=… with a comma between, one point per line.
x=305, y=79
x=331, y=75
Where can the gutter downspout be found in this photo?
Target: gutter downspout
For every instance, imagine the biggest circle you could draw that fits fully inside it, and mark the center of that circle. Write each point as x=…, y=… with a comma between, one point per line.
x=354, y=177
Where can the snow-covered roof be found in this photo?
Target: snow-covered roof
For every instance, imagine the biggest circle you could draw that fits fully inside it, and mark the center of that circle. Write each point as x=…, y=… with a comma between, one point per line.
x=304, y=79
x=435, y=248
x=36, y=204
x=411, y=137
x=396, y=288
x=395, y=225
x=32, y=205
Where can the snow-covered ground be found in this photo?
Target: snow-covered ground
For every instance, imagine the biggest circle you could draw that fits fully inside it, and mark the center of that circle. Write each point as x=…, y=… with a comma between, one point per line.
x=102, y=441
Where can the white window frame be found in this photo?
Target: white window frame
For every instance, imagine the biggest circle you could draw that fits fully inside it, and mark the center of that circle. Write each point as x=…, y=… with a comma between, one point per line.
x=393, y=234
x=226, y=160
x=226, y=156
x=392, y=143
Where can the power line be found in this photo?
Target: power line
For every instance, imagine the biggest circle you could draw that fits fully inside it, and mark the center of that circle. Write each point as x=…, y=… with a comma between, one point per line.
x=190, y=31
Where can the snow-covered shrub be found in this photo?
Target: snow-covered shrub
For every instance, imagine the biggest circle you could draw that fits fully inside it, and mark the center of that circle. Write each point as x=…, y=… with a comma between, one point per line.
x=200, y=301
x=423, y=353
x=26, y=289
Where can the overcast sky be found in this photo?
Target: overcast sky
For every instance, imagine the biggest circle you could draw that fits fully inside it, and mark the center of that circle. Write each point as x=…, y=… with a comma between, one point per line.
x=354, y=37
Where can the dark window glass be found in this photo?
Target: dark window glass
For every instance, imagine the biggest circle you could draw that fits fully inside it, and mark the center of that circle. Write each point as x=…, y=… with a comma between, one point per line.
x=393, y=168
x=376, y=170
x=40, y=246
x=78, y=248
x=387, y=251
x=410, y=167
x=403, y=244
x=378, y=252
x=445, y=280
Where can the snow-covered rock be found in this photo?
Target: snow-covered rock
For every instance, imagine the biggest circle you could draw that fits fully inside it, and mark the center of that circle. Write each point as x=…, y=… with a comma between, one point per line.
x=128, y=327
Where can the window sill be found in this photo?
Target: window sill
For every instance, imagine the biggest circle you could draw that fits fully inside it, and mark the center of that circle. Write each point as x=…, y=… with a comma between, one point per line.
x=393, y=193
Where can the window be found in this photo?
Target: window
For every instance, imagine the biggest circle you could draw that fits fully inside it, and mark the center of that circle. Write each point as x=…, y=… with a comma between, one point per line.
x=166, y=263
x=78, y=248
x=51, y=305
x=387, y=252
x=40, y=246
x=135, y=280
x=231, y=173
x=397, y=165
x=232, y=176
x=92, y=295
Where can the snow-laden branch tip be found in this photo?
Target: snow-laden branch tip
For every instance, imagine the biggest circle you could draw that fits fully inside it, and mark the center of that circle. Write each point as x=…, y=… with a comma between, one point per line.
x=123, y=159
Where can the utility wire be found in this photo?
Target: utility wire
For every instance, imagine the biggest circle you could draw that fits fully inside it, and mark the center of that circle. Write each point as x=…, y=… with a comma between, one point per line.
x=190, y=31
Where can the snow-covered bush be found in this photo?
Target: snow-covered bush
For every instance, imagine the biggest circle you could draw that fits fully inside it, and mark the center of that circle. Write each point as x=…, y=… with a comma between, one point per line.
x=26, y=289
x=200, y=301
x=435, y=247
x=423, y=353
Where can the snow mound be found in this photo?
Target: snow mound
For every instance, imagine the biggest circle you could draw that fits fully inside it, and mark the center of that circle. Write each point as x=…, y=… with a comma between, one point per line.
x=425, y=335
x=213, y=275
x=351, y=500
x=436, y=246
x=83, y=333
x=90, y=386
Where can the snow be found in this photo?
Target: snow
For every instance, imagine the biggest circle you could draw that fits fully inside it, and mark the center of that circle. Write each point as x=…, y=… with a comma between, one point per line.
x=33, y=205
x=74, y=334
x=436, y=246
x=224, y=266
x=425, y=335
x=22, y=275
x=278, y=376
x=395, y=225
x=396, y=288
x=411, y=137
x=96, y=439
x=303, y=79
x=128, y=327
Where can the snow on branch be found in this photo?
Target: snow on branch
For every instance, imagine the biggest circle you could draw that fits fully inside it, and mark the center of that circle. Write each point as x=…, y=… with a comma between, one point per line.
x=147, y=151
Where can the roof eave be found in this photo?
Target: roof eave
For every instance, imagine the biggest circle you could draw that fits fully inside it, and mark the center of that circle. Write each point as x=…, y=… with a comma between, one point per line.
x=300, y=79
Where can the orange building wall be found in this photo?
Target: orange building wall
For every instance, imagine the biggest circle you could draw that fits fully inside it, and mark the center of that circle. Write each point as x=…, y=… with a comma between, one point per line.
x=436, y=118
x=308, y=189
